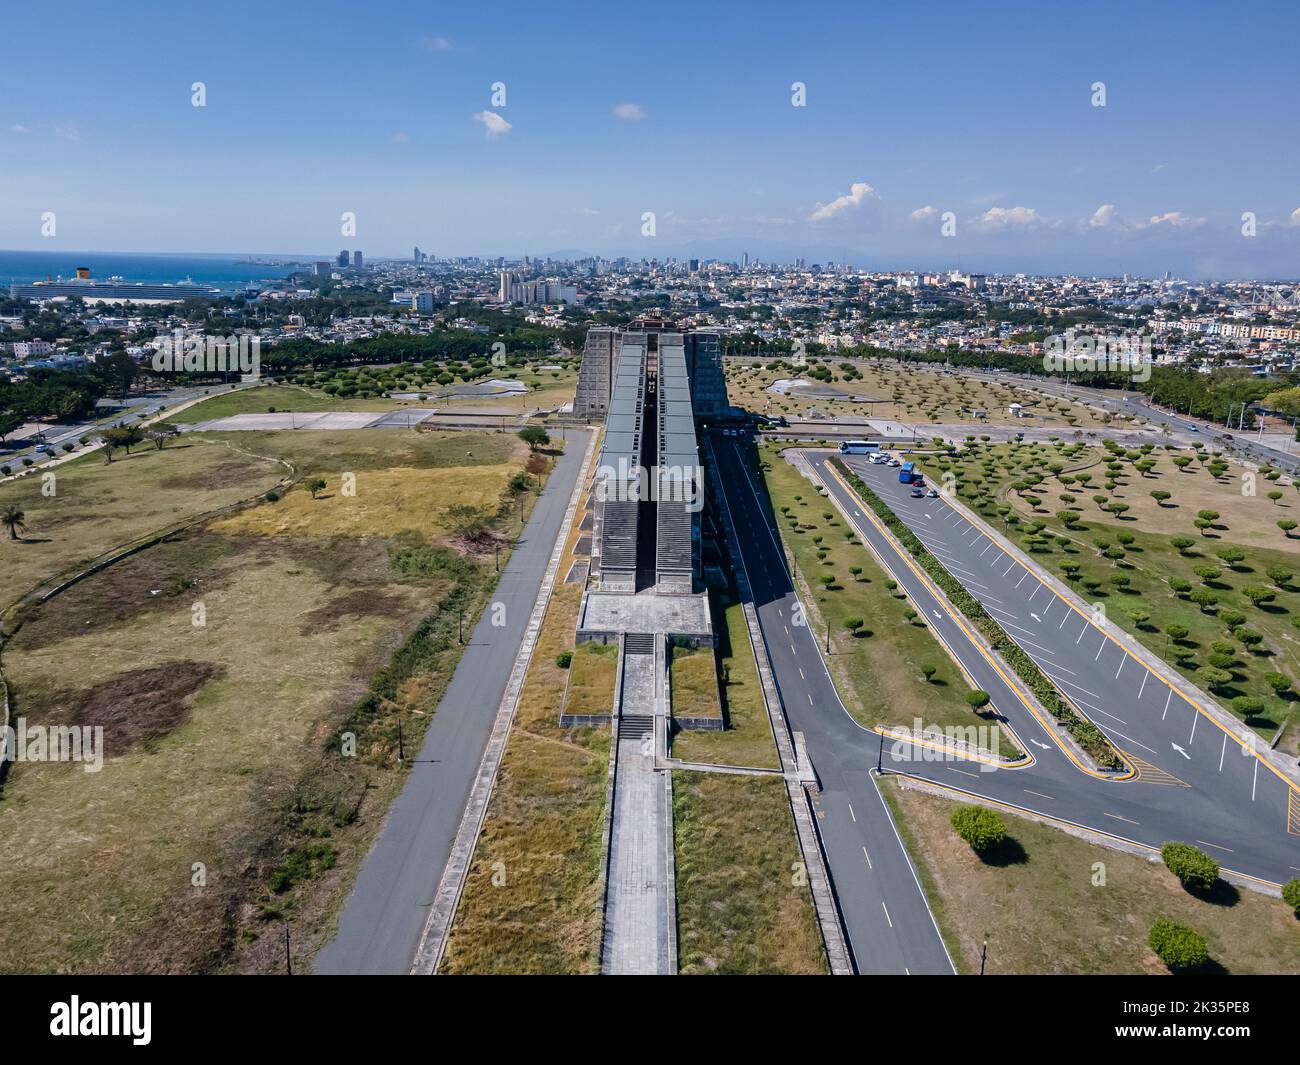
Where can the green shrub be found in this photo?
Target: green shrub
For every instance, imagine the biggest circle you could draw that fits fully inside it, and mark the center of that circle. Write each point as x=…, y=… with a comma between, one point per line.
x=1291, y=894
x=564, y=659
x=1179, y=947
x=978, y=826
x=1195, y=868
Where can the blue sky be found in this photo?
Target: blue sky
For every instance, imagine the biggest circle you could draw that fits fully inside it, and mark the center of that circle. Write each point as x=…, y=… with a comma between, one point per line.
x=981, y=110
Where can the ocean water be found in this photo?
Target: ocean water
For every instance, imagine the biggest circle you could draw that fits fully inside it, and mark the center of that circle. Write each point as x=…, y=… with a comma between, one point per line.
x=220, y=271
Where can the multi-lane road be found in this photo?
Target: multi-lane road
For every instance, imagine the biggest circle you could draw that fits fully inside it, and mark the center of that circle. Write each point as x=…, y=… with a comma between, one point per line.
x=889, y=924
x=1190, y=776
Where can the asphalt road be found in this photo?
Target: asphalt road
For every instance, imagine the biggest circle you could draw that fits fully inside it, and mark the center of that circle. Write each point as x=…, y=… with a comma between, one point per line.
x=1189, y=428
x=889, y=924
x=385, y=914
x=1197, y=782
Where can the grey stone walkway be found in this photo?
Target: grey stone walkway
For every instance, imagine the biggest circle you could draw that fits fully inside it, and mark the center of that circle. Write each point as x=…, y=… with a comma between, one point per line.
x=639, y=894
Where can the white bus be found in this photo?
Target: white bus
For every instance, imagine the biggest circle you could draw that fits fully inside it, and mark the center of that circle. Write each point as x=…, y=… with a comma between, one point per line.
x=858, y=447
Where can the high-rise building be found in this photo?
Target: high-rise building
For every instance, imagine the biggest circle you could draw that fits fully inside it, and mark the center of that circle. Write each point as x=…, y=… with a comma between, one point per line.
x=357, y=261
x=416, y=256
x=512, y=288
x=321, y=268
x=342, y=260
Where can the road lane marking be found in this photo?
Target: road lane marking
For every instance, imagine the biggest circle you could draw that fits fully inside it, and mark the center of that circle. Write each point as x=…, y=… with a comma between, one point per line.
x=1100, y=648
x=954, y=769
x=1118, y=818
x=867, y=857
x=1195, y=718
x=1123, y=659
x=1022, y=578
x=886, y=909
x=854, y=816
x=1010, y=568
x=1038, y=793
x=1223, y=751
x=1206, y=843
x=1167, y=700
x=1145, y=674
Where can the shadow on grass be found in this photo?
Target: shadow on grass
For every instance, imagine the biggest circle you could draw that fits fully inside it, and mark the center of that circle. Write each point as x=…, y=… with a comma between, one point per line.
x=1009, y=852
x=1220, y=893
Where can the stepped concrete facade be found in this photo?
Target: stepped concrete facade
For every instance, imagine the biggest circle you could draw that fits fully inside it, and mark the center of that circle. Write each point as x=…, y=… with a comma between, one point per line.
x=650, y=384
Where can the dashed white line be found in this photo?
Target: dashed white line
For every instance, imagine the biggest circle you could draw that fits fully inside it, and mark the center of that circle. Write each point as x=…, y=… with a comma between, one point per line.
x=1167, y=698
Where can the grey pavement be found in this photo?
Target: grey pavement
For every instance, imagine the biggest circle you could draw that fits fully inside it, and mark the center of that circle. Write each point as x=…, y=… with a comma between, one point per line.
x=637, y=937
x=1197, y=782
x=886, y=914
x=382, y=921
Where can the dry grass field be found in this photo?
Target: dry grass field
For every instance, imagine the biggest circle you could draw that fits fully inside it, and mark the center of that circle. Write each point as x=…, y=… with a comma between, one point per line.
x=1044, y=911
x=226, y=666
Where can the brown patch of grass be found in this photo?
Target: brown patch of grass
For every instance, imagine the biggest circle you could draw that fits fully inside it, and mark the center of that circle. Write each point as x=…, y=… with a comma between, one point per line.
x=361, y=602
x=141, y=705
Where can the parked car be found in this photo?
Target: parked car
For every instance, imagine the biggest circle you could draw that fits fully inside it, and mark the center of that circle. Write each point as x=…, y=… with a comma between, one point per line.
x=917, y=491
x=931, y=494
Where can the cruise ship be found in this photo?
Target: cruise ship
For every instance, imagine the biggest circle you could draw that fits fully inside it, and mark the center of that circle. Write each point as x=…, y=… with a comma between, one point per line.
x=115, y=289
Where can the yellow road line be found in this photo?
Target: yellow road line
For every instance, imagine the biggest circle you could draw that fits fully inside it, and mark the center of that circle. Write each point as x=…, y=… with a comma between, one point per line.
x=1015, y=685
x=977, y=525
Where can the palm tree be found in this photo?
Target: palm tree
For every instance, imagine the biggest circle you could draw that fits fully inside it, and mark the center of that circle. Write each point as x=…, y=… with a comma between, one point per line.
x=13, y=516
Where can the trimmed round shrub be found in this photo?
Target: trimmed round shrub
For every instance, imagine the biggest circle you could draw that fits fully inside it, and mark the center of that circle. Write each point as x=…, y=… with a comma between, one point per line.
x=978, y=826
x=1291, y=894
x=564, y=659
x=1194, y=868
x=1179, y=947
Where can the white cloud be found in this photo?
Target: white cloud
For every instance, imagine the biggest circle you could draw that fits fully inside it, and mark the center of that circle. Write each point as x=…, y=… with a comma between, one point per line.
x=67, y=131
x=590, y=212
x=18, y=127
x=1159, y=167
x=629, y=112
x=495, y=125
x=923, y=214
x=436, y=44
x=858, y=192
x=1176, y=219
x=401, y=137
x=1006, y=217
x=1295, y=217
x=1104, y=216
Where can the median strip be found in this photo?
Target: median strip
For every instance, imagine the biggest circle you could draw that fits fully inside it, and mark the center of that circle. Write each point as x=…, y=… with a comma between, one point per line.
x=1084, y=732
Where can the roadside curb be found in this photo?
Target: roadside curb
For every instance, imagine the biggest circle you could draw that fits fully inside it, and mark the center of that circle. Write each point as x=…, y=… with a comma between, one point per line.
x=442, y=912
x=1204, y=703
x=834, y=938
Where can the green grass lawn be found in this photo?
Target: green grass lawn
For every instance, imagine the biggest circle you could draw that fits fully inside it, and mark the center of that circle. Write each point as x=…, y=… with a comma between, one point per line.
x=743, y=903
x=1054, y=903
x=747, y=739
x=879, y=670
x=593, y=674
x=260, y=399
x=694, y=682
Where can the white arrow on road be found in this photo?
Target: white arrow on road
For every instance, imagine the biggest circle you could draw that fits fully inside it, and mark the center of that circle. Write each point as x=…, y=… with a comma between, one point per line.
x=1181, y=751
x=1044, y=746
x=937, y=614
x=1034, y=616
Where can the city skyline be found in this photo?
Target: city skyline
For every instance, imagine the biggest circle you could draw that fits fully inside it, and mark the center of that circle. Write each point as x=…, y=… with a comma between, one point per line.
x=523, y=139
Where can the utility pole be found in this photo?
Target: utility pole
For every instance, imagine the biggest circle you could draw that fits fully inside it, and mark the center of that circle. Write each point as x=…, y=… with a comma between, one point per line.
x=984, y=954
x=288, y=961
x=460, y=634
x=880, y=755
